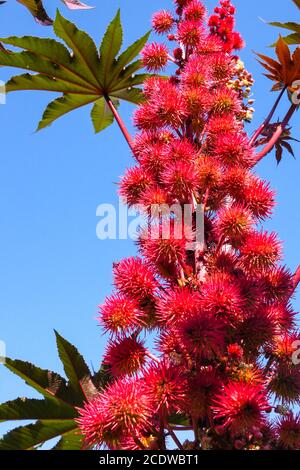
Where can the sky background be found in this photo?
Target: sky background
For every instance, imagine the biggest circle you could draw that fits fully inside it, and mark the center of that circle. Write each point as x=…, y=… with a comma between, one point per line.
x=53, y=269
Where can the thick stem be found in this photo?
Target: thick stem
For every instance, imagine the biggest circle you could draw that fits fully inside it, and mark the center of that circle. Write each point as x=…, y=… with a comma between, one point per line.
x=267, y=120
x=277, y=134
x=120, y=122
x=174, y=437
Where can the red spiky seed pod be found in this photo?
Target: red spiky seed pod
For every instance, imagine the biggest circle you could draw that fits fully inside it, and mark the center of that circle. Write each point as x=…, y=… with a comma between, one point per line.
x=195, y=73
x=222, y=67
x=133, y=184
x=277, y=284
x=135, y=278
x=155, y=57
x=202, y=388
x=181, y=151
x=181, y=180
x=166, y=386
x=288, y=431
x=197, y=102
x=222, y=298
x=241, y=406
x=162, y=22
x=259, y=198
x=234, y=182
x=201, y=335
x=177, y=305
x=283, y=316
x=123, y=407
x=285, y=383
x=156, y=201
x=234, y=223
x=125, y=355
x=233, y=149
x=224, y=102
x=260, y=252
x=120, y=313
x=283, y=347
x=164, y=245
x=194, y=11
x=209, y=173
x=189, y=33
x=256, y=329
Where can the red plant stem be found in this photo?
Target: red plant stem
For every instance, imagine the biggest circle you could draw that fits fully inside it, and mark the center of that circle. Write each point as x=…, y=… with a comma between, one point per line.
x=120, y=122
x=296, y=279
x=172, y=59
x=277, y=134
x=182, y=428
x=173, y=435
x=267, y=120
x=206, y=196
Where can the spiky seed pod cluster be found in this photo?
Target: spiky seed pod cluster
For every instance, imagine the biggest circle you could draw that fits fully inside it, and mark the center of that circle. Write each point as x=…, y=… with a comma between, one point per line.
x=219, y=309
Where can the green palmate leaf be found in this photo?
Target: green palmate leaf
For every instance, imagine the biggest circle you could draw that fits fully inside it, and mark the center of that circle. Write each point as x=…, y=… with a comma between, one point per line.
x=55, y=415
x=102, y=377
x=75, y=368
x=64, y=105
x=132, y=95
x=289, y=25
x=121, y=67
x=110, y=47
x=82, y=45
x=102, y=115
x=29, y=409
x=28, y=437
x=82, y=76
x=292, y=38
x=46, y=382
x=70, y=441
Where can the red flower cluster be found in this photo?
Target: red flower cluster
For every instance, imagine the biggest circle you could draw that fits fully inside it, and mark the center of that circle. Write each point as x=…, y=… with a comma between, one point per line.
x=218, y=306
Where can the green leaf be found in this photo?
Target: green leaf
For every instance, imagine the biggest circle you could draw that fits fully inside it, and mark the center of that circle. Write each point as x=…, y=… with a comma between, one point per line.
x=179, y=420
x=101, y=115
x=46, y=382
x=129, y=55
x=110, y=47
x=28, y=437
x=290, y=25
x=63, y=105
x=133, y=95
x=102, y=378
x=28, y=81
x=74, y=365
x=81, y=77
x=292, y=39
x=70, y=441
x=82, y=45
x=29, y=409
x=55, y=415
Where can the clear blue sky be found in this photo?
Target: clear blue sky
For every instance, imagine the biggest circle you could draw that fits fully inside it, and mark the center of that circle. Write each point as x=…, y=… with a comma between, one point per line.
x=53, y=269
